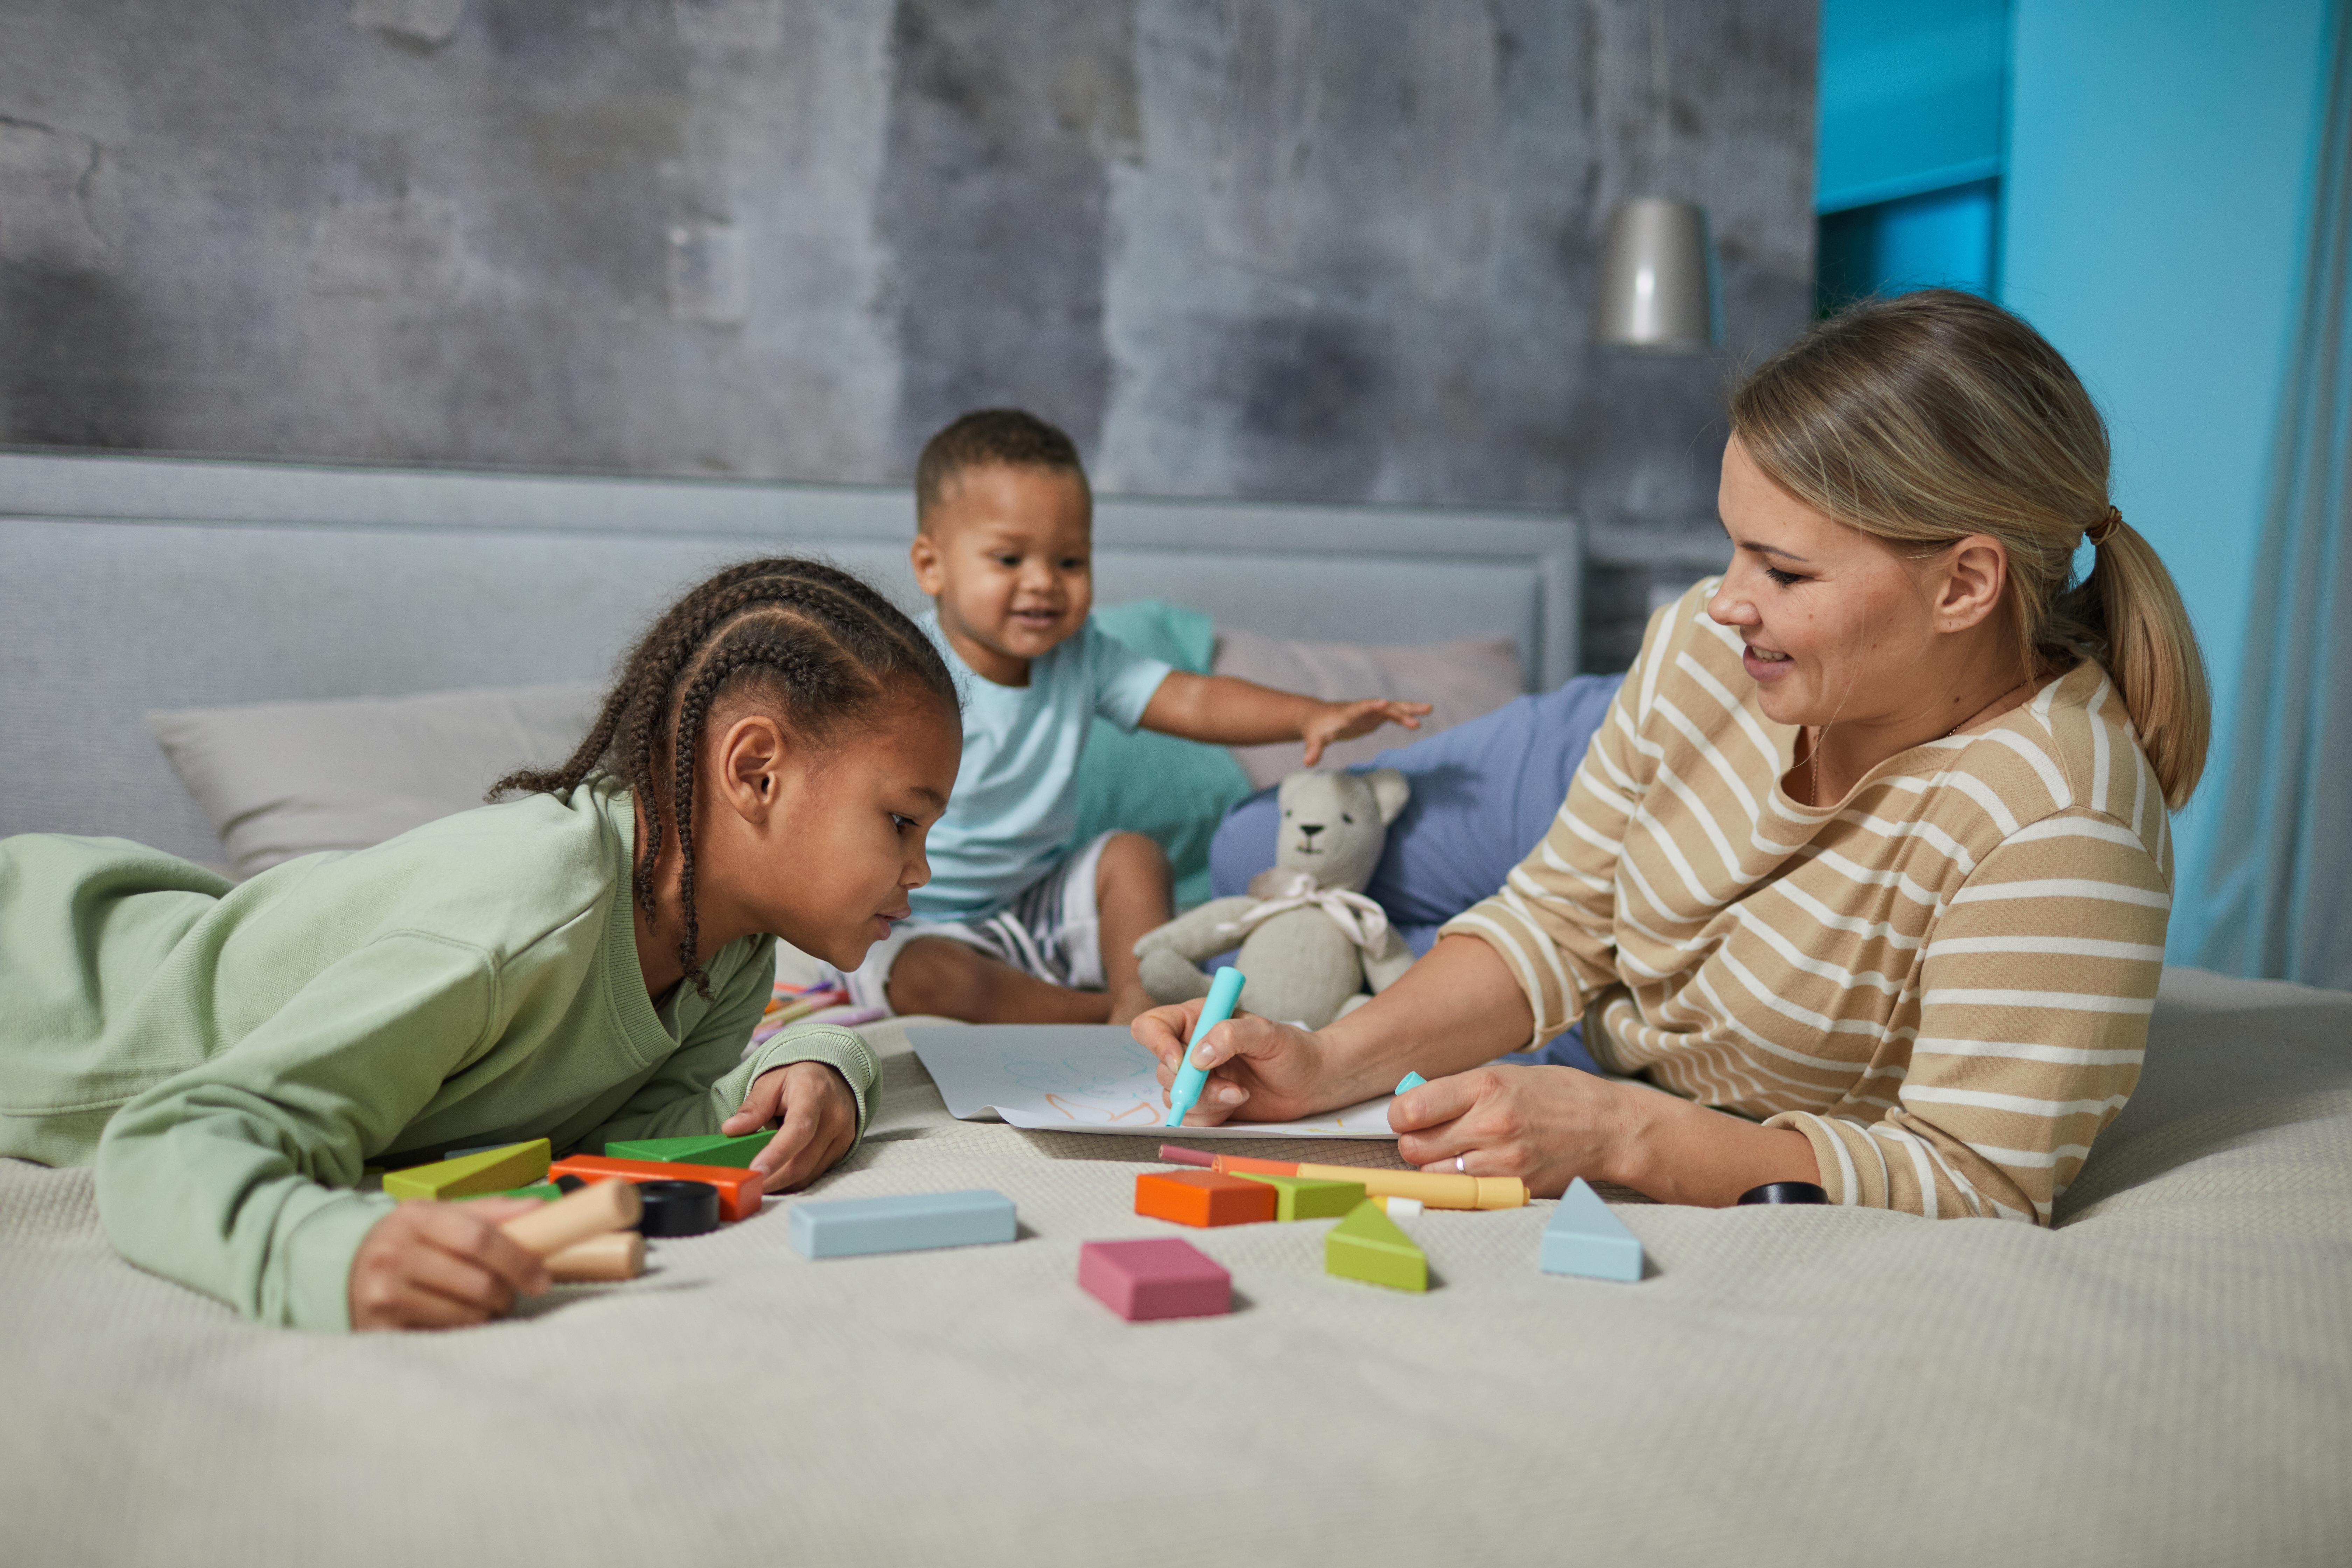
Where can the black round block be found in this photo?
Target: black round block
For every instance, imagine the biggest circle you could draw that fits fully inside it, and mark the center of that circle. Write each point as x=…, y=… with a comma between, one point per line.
x=679, y=1208
x=1780, y=1193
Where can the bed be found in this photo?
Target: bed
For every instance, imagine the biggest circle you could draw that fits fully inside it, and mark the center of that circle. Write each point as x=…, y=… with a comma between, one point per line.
x=2163, y=1376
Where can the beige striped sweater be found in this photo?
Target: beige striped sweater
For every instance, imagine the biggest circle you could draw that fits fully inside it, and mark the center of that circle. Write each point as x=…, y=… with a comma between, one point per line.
x=1943, y=980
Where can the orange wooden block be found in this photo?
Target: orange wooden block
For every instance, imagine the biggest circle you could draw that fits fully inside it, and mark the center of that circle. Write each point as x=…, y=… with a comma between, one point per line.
x=739, y=1191
x=1203, y=1198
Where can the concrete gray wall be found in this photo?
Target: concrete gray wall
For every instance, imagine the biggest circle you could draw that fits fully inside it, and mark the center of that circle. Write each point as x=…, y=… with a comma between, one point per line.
x=1337, y=250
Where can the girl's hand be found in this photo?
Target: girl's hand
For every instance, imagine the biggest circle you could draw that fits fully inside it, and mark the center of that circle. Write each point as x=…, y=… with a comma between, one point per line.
x=1332, y=722
x=1273, y=1071
x=819, y=1116
x=441, y=1265
x=1542, y=1124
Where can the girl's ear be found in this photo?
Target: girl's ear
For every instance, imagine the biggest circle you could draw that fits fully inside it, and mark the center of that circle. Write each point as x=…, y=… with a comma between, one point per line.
x=751, y=765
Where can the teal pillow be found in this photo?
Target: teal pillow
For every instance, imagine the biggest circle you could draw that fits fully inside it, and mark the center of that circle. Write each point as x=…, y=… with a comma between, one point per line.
x=1175, y=790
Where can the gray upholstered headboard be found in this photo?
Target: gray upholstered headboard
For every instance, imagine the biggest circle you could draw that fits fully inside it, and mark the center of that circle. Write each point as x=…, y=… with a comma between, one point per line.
x=132, y=583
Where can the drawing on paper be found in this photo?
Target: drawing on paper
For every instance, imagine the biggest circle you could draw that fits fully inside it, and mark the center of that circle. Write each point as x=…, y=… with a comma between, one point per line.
x=1086, y=1079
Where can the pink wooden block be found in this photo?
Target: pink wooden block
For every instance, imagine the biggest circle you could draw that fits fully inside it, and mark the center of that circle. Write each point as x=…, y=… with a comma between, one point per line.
x=1162, y=1278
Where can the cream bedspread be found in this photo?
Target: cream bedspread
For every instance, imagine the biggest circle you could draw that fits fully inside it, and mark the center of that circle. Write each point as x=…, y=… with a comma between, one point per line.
x=2166, y=1377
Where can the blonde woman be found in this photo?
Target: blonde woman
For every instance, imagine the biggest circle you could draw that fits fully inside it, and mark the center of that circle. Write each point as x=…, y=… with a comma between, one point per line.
x=1868, y=870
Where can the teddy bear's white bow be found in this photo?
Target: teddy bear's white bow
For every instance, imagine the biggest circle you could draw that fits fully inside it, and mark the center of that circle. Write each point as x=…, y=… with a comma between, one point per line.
x=1360, y=919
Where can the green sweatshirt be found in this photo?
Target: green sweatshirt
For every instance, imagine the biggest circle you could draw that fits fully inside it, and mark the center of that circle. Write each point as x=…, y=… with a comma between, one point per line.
x=232, y=1056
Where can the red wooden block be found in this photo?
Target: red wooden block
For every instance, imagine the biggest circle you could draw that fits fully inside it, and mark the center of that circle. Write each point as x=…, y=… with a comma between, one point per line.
x=1163, y=1278
x=1204, y=1198
x=739, y=1191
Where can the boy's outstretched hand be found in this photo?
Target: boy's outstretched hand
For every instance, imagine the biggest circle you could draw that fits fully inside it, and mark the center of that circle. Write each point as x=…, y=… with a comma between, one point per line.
x=818, y=1117
x=442, y=1265
x=1330, y=723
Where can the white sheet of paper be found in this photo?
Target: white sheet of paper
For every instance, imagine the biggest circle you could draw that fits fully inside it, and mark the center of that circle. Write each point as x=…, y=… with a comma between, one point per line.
x=1088, y=1078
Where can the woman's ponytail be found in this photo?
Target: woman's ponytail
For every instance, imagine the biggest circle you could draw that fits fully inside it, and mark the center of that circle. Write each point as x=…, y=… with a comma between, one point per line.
x=2132, y=610
x=1933, y=415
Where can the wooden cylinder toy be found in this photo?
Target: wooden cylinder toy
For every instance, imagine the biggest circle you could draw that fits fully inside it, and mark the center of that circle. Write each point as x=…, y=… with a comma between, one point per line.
x=594, y=1209
x=615, y=1254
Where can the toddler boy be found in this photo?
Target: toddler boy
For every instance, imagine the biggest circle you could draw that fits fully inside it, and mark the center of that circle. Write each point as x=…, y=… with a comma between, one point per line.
x=1013, y=927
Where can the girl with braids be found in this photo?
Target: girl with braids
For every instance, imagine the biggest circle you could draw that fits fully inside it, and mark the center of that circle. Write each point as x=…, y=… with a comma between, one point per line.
x=584, y=964
x=1866, y=872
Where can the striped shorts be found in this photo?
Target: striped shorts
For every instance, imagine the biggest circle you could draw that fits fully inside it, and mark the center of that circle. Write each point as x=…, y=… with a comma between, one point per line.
x=1051, y=929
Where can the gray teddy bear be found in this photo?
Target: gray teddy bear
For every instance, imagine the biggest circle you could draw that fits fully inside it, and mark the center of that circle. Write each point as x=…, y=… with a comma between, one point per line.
x=1309, y=938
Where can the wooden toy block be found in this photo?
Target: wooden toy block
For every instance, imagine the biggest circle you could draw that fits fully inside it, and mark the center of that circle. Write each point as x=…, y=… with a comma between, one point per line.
x=679, y=1208
x=1311, y=1198
x=490, y=1170
x=1203, y=1198
x=739, y=1191
x=1162, y=1278
x=546, y=1192
x=848, y=1227
x=1367, y=1245
x=592, y=1211
x=615, y=1254
x=710, y=1150
x=1585, y=1238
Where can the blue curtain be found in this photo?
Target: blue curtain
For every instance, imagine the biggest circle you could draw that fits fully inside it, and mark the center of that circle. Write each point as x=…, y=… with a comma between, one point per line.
x=2280, y=883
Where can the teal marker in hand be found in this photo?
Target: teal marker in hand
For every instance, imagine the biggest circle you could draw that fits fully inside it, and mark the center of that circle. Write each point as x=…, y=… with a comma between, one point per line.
x=1185, y=1092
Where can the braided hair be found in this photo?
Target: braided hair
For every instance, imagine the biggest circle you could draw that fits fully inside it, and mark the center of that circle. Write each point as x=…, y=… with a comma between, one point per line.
x=825, y=647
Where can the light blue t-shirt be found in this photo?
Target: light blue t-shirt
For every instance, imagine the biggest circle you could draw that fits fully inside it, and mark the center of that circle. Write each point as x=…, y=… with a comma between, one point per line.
x=1016, y=795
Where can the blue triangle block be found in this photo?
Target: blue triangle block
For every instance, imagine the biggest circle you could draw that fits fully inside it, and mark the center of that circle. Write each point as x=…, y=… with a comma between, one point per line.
x=1585, y=1238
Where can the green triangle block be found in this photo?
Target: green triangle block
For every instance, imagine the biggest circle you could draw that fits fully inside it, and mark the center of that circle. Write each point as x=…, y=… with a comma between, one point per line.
x=1367, y=1245
x=710, y=1149
x=474, y=1175
x=1309, y=1198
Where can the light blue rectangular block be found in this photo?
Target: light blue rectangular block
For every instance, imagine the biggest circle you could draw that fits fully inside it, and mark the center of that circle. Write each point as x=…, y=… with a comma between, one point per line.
x=846, y=1228
x=1585, y=1238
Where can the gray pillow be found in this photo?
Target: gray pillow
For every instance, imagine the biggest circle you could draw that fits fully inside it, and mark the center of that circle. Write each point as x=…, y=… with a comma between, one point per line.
x=282, y=779
x=1460, y=680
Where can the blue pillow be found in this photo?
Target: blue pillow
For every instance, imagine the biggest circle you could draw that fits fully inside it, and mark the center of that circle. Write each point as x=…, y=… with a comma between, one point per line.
x=1165, y=786
x=1484, y=794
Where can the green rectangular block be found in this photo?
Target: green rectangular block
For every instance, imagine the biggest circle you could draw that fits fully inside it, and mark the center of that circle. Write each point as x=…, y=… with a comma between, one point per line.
x=1309, y=1198
x=545, y=1192
x=473, y=1177
x=710, y=1149
x=1367, y=1245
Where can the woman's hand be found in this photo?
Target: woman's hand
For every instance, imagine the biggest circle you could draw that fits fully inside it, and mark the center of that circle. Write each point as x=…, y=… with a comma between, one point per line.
x=1545, y=1125
x=442, y=1265
x=819, y=1118
x=1327, y=723
x=1258, y=1068
x=1548, y=1125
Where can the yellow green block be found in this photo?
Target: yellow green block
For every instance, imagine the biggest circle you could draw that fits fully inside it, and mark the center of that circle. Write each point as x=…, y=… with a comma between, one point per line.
x=735, y=1154
x=1367, y=1245
x=473, y=1175
x=1309, y=1198
x=545, y=1192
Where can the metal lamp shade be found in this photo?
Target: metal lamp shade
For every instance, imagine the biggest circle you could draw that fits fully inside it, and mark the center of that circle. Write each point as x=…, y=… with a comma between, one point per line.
x=1655, y=282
